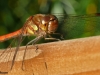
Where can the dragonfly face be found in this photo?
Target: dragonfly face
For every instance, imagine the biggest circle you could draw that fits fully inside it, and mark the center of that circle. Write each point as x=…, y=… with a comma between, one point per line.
x=41, y=23
x=49, y=23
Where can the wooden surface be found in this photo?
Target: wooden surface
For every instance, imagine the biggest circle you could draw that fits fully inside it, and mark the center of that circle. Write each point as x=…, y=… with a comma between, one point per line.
x=69, y=57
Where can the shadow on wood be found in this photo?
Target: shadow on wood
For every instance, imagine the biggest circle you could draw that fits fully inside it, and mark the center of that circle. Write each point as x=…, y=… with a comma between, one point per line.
x=69, y=57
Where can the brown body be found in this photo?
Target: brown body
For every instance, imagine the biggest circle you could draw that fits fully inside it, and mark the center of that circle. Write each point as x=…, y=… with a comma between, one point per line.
x=38, y=24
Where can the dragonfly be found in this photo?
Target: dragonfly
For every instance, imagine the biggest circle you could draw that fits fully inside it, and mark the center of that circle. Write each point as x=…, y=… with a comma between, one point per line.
x=39, y=25
x=43, y=26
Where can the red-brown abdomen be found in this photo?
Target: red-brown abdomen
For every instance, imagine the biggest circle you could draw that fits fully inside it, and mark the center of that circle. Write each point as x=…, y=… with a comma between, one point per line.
x=10, y=35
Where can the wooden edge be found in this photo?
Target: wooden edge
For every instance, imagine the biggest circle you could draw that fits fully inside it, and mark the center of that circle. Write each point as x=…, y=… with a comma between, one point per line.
x=69, y=57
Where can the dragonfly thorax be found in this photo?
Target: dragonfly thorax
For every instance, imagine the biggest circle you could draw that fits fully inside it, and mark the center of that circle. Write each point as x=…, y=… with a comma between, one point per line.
x=40, y=23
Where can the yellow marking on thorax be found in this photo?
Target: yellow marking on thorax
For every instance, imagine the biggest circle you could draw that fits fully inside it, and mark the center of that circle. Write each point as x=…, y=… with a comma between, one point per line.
x=34, y=28
x=30, y=31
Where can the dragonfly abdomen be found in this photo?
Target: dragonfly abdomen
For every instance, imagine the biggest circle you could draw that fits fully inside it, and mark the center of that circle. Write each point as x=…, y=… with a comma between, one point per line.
x=10, y=35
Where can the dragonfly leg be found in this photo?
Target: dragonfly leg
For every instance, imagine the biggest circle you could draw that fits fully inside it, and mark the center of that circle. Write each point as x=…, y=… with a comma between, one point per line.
x=52, y=39
x=61, y=36
x=34, y=41
x=36, y=48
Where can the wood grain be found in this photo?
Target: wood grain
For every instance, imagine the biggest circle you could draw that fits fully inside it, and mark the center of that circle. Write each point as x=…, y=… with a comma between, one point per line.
x=68, y=57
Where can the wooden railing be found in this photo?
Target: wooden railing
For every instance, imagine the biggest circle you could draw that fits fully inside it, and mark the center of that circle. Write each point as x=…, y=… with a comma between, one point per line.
x=68, y=57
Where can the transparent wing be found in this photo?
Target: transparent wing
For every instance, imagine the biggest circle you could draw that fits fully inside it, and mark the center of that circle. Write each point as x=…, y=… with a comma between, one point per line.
x=6, y=57
x=79, y=26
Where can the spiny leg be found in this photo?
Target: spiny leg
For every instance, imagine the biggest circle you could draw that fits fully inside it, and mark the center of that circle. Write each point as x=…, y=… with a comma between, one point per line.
x=54, y=39
x=34, y=41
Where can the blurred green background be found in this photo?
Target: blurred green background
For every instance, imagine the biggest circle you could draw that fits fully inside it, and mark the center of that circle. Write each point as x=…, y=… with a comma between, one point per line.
x=13, y=14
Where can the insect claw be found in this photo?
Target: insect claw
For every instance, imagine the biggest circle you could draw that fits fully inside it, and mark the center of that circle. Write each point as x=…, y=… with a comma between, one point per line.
x=62, y=37
x=36, y=50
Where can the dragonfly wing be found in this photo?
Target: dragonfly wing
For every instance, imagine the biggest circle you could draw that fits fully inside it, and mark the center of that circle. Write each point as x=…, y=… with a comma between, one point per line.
x=7, y=56
x=79, y=26
x=16, y=50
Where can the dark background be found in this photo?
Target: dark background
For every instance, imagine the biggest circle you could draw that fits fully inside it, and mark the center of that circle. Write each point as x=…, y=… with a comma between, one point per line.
x=13, y=14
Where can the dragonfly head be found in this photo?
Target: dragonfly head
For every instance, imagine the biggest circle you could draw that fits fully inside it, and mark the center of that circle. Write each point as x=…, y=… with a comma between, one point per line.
x=49, y=23
x=38, y=23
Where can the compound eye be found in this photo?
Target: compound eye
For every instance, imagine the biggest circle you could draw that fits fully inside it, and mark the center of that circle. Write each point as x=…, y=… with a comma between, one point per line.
x=53, y=25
